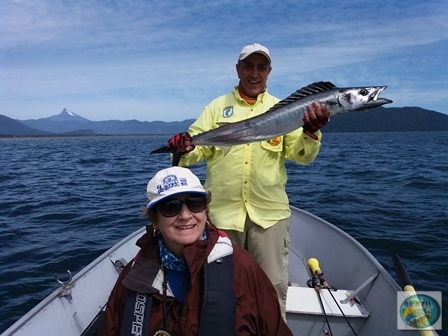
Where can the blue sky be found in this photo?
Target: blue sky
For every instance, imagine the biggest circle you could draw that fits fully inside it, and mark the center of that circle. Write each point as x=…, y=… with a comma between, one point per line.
x=166, y=60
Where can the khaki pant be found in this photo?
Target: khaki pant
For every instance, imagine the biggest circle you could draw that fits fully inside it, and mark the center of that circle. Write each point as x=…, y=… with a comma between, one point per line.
x=269, y=247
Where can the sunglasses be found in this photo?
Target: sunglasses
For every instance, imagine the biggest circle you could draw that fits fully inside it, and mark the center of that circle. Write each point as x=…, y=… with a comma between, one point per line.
x=172, y=207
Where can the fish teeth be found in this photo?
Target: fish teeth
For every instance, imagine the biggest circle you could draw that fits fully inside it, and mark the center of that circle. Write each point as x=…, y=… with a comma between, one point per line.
x=377, y=93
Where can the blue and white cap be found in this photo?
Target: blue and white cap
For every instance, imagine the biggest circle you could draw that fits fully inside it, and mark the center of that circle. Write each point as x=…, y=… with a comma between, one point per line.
x=171, y=181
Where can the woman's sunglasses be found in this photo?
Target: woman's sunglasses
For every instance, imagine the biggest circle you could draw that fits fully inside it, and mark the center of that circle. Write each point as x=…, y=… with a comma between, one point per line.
x=172, y=207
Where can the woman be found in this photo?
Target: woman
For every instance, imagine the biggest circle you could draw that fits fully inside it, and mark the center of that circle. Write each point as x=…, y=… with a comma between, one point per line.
x=188, y=278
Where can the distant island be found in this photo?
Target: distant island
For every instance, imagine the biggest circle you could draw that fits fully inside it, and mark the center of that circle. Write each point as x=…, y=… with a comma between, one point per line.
x=66, y=123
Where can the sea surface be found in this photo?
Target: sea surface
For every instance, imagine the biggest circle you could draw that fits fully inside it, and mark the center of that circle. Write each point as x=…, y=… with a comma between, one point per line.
x=64, y=201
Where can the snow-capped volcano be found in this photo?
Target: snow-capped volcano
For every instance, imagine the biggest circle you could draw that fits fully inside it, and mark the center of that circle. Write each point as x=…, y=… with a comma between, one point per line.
x=67, y=115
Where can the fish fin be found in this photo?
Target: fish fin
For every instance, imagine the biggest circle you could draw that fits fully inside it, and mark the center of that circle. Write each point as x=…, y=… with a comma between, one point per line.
x=163, y=149
x=305, y=92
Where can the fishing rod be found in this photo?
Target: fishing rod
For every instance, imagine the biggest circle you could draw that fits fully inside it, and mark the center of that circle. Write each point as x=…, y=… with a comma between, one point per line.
x=406, y=285
x=315, y=283
x=346, y=319
x=313, y=265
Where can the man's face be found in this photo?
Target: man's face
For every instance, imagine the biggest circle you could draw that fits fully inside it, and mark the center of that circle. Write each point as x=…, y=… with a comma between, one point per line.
x=253, y=73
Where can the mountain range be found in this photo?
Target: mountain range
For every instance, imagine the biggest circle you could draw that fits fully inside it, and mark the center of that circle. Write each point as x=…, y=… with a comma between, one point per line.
x=393, y=119
x=69, y=123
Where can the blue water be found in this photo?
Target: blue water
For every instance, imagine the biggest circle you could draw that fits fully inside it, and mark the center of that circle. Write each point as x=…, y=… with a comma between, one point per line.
x=64, y=201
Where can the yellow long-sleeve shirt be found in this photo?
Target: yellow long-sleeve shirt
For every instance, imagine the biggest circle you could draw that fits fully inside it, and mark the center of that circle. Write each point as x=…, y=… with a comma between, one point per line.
x=250, y=178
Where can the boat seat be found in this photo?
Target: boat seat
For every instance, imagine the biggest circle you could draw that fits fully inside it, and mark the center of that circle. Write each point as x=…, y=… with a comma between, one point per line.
x=304, y=300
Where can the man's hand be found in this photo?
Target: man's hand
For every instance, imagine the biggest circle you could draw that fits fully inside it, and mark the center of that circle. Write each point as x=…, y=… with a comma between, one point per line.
x=181, y=142
x=315, y=117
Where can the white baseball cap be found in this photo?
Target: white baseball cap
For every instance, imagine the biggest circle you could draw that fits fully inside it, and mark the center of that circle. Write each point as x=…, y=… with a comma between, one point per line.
x=254, y=48
x=171, y=181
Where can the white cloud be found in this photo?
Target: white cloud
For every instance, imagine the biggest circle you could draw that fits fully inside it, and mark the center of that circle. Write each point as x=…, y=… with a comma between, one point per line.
x=127, y=55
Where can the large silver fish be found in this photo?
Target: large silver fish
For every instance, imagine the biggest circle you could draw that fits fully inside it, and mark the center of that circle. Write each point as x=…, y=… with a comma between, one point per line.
x=287, y=114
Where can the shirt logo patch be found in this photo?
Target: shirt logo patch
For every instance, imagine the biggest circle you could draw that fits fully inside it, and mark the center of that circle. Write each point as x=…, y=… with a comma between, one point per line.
x=227, y=112
x=169, y=182
x=274, y=141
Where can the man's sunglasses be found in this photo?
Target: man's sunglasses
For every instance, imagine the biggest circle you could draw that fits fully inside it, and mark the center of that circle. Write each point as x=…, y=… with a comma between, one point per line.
x=172, y=207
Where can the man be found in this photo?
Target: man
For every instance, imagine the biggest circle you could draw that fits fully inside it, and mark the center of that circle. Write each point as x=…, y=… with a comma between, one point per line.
x=248, y=183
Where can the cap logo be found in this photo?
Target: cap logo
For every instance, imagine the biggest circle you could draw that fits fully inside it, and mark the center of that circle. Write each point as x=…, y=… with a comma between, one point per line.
x=227, y=112
x=171, y=181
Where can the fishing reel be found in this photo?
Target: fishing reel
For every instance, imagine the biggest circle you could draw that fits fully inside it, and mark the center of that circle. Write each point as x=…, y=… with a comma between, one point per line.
x=314, y=282
x=318, y=282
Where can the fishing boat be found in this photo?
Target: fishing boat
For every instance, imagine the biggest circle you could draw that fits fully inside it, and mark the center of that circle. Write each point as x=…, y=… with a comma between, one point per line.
x=361, y=298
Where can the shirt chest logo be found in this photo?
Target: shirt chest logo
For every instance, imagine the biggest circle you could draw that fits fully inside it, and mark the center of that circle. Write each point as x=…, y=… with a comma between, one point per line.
x=227, y=112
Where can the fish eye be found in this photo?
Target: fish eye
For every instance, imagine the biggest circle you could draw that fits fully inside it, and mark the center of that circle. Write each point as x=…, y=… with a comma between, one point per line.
x=363, y=92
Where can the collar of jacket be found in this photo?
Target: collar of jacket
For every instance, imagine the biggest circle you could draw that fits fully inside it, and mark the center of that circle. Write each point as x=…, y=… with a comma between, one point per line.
x=260, y=97
x=146, y=275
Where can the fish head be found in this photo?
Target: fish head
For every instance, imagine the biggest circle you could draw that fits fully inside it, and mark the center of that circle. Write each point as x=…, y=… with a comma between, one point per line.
x=361, y=98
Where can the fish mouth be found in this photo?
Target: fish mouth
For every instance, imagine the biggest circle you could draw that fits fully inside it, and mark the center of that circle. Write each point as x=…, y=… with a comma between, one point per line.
x=375, y=100
x=375, y=95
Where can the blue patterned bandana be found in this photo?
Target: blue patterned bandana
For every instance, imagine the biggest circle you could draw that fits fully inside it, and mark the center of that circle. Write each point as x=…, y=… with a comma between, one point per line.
x=169, y=260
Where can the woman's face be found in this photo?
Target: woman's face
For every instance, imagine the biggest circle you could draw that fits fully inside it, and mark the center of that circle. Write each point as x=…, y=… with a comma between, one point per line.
x=181, y=220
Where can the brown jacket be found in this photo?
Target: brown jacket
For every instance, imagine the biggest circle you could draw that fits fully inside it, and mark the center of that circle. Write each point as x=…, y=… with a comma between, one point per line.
x=257, y=307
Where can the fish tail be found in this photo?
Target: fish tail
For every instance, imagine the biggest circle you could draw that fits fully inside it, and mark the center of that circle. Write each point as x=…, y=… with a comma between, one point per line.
x=176, y=155
x=160, y=150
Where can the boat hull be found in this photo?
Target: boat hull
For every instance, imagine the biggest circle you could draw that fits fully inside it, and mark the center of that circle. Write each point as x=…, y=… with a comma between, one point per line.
x=346, y=264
